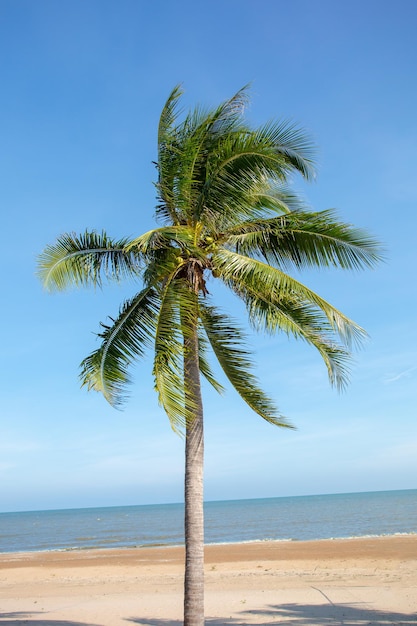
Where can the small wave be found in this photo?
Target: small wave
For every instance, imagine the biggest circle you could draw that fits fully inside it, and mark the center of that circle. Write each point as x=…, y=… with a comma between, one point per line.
x=368, y=536
x=248, y=541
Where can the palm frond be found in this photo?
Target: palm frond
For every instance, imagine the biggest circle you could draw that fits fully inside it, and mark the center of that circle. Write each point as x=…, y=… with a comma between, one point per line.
x=241, y=171
x=168, y=152
x=210, y=163
x=289, y=141
x=168, y=116
x=184, y=155
x=243, y=273
x=82, y=260
x=272, y=198
x=180, y=236
x=168, y=367
x=204, y=364
x=270, y=150
x=162, y=263
x=306, y=239
x=301, y=320
x=228, y=344
x=229, y=113
x=123, y=341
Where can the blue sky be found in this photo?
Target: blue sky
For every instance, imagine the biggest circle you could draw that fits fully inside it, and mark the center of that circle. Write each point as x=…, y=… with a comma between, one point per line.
x=82, y=87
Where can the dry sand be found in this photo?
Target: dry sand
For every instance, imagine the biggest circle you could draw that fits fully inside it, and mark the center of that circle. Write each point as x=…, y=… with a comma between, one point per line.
x=344, y=582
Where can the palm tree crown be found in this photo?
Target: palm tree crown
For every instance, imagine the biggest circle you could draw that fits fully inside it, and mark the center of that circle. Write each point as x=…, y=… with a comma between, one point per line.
x=225, y=211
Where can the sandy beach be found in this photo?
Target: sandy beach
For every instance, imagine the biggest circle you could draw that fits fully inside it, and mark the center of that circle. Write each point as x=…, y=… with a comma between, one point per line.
x=344, y=582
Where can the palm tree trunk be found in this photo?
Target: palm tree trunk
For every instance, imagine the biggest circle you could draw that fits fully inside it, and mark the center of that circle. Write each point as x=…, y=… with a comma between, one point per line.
x=194, y=514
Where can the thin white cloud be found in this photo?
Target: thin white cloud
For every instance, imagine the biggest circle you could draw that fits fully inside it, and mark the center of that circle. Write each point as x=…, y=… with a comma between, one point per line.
x=404, y=374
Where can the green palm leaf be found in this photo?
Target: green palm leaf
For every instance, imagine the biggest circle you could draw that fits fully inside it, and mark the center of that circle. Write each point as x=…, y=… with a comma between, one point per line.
x=243, y=273
x=291, y=142
x=242, y=172
x=167, y=150
x=169, y=115
x=301, y=320
x=179, y=236
x=306, y=239
x=272, y=198
x=85, y=260
x=183, y=153
x=228, y=343
x=123, y=341
x=170, y=335
x=204, y=364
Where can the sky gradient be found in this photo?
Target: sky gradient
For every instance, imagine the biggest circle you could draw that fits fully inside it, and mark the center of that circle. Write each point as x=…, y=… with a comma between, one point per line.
x=83, y=84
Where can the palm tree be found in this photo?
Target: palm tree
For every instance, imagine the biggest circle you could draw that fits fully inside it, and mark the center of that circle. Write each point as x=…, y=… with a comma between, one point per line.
x=225, y=212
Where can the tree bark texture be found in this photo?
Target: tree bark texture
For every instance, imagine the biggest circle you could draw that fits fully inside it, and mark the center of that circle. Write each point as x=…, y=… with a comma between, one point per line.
x=194, y=497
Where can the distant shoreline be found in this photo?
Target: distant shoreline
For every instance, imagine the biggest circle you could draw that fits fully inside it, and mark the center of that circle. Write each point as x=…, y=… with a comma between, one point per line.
x=224, y=544
x=242, y=544
x=401, y=546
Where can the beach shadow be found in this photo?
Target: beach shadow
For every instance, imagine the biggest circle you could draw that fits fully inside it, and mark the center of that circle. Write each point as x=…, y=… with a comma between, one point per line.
x=18, y=618
x=303, y=615
x=335, y=614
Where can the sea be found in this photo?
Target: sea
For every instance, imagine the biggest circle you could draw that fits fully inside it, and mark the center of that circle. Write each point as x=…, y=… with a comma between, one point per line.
x=297, y=518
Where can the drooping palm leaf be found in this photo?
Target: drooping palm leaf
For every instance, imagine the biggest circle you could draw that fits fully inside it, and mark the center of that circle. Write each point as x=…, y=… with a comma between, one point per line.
x=123, y=341
x=204, y=364
x=170, y=335
x=228, y=344
x=241, y=273
x=279, y=313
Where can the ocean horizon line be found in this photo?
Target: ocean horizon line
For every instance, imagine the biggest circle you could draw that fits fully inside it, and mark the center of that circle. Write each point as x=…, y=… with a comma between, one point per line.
x=221, y=500
x=283, y=518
